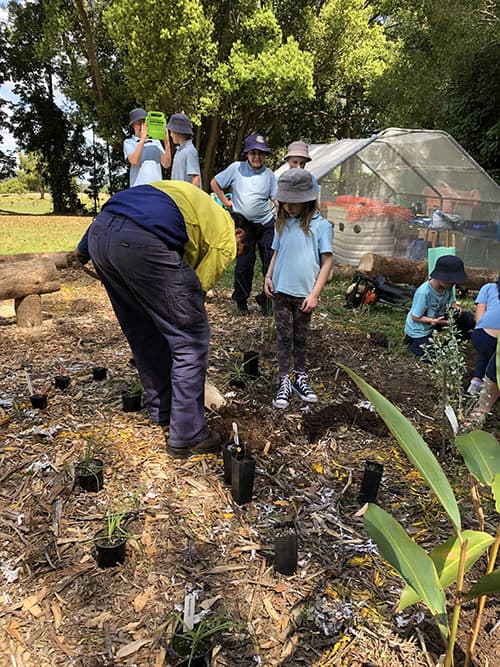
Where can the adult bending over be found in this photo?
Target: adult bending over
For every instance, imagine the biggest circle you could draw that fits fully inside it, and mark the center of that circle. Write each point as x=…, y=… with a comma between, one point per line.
x=157, y=248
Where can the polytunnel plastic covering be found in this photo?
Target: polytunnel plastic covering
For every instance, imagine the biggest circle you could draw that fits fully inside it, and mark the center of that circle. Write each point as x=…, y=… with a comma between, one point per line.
x=400, y=191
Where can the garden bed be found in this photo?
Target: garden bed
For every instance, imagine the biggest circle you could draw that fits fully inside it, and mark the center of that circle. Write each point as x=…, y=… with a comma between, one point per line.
x=58, y=608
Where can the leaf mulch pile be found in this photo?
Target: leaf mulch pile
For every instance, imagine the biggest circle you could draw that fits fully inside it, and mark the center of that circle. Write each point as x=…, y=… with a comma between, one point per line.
x=59, y=608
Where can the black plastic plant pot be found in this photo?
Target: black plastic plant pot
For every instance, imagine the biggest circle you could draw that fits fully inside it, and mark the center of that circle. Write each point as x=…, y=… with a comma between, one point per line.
x=62, y=381
x=89, y=475
x=38, y=401
x=237, y=382
x=251, y=363
x=179, y=652
x=131, y=402
x=109, y=552
x=99, y=373
x=370, y=483
x=242, y=478
x=228, y=452
x=285, y=549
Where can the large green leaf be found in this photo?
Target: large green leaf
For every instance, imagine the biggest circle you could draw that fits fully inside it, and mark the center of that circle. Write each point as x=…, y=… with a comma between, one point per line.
x=495, y=487
x=411, y=561
x=414, y=446
x=481, y=452
x=488, y=585
x=446, y=557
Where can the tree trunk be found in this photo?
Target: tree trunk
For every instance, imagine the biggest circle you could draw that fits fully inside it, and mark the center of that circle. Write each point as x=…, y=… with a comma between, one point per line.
x=411, y=272
x=62, y=260
x=20, y=279
x=29, y=311
x=210, y=151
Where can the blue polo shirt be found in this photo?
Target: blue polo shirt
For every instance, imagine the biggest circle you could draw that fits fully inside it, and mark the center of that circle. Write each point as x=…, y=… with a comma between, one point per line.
x=488, y=295
x=186, y=163
x=149, y=168
x=252, y=190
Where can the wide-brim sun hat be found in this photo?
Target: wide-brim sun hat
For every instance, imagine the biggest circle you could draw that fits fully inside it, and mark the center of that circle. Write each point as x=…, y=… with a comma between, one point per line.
x=255, y=142
x=295, y=186
x=449, y=269
x=181, y=123
x=298, y=149
x=137, y=114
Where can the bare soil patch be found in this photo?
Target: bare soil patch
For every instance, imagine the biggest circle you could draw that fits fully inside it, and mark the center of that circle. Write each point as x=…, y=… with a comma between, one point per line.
x=58, y=608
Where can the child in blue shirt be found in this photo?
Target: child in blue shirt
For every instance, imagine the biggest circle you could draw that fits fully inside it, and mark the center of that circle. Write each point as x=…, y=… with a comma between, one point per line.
x=485, y=335
x=432, y=302
x=253, y=187
x=298, y=271
x=186, y=163
x=145, y=156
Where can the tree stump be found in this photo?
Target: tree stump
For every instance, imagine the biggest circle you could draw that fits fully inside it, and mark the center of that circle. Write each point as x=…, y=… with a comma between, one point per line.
x=29, y=311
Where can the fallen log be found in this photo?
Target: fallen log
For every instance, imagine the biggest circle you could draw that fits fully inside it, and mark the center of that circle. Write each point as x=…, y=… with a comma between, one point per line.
x=412, y=272
x=63, y=259
x=19, y=279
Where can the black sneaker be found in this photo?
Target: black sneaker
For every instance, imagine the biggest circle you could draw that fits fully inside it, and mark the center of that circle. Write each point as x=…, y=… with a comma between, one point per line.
x=266, y=306
x=284, y=394
x=243, y=309
x=211, y=445
x=302, y=388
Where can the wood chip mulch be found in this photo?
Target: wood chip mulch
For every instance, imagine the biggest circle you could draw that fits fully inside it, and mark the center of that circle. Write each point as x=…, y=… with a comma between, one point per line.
x=58, y=608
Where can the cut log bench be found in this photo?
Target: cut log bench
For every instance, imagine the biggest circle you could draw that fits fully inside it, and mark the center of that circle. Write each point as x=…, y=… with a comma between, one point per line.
x=26, y=277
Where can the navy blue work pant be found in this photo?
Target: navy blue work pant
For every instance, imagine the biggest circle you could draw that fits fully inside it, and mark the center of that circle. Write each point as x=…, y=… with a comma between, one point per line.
x=485, y=345
x=160, y=305
x=243, y=272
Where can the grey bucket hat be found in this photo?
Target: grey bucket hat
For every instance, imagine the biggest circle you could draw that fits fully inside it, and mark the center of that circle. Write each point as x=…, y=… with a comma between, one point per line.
x=137, y=114
x=298, y=149
x=449, y=269
x=296, y=187
x=181, y=123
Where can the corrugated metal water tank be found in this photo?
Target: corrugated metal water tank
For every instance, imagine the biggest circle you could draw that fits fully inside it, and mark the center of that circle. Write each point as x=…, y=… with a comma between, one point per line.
x=351, y=240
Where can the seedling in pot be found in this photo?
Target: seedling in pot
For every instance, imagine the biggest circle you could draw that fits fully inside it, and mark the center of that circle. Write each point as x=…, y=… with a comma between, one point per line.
x=89, y=471
x=62, y=380
x=242, y=472
x=37, y=399
x=251, y=363
x=285, y=547
x=191, y=646
x=99, y=373
x=132, y=397
x=230, y=449
x=110, y=541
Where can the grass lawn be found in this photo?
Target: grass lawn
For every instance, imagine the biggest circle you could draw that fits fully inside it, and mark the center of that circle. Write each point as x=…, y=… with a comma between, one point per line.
x=40, y=233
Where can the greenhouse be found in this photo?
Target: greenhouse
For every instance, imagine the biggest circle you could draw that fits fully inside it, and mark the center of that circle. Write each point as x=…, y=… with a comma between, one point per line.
x=401, y=191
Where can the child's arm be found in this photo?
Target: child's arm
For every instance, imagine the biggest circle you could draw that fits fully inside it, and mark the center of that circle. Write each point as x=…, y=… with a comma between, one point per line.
x=311, y=300
x=166, y=157
x=196, y=180
x=268, y=278
x=220, y=193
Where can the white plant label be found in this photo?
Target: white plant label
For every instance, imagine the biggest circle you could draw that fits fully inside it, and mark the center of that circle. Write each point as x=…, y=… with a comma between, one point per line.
x=236, y=438
x=452, y=418
x=189, y=605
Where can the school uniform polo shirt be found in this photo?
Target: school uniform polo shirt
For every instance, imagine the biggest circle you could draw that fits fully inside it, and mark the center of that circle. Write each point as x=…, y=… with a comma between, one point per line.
x=186, y=163
x=149, y=167
x=252, y=190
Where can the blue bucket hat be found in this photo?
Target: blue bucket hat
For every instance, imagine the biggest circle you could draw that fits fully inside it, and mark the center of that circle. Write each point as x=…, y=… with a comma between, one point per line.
x=255, y=142
x=137, y=114
x=181, y=123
